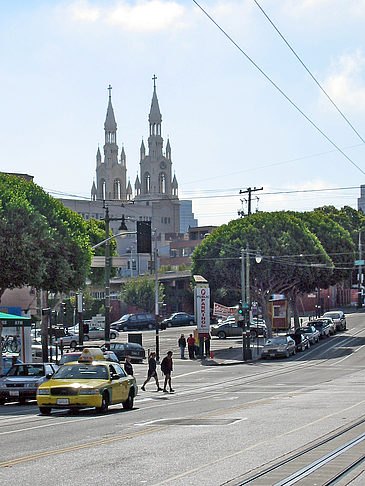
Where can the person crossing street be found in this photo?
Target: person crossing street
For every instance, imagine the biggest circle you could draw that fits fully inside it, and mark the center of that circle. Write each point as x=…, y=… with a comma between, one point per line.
x=151, y=373
x=166, y=368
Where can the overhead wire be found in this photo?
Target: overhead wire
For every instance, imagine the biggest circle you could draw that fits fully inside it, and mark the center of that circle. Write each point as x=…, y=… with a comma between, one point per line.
x=309, y=72
x=279, y=89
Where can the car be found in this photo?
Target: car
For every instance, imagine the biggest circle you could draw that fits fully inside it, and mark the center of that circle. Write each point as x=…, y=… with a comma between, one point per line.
x=311, y=332
x=22, y=381
x=278, y=346
x=134, y=350
x=178, y=319
x=230, y=328
x=75, y=355
x=89, y=382
x=323, y=326
x=9, y=360
x=301, y=340
x=95, y=332
x=134, y=322
x=339, y=319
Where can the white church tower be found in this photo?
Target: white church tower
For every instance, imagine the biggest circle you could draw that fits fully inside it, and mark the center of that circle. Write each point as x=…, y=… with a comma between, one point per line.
x=111, y=174
x=155, y=186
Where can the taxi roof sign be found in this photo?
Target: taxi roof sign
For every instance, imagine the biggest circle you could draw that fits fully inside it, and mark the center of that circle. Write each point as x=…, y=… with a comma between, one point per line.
x=91, y=354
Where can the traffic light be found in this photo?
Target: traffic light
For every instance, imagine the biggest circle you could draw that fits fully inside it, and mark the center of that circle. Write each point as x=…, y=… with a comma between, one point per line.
x=144, y=243
x=240, y=319
x=63, y=308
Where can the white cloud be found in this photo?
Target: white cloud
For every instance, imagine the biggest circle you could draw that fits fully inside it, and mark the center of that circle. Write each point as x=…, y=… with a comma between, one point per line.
x=345, y=83
x=81, y=11
x=151, y=15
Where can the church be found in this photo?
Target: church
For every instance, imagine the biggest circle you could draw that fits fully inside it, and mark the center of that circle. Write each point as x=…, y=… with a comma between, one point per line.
x=155, y=195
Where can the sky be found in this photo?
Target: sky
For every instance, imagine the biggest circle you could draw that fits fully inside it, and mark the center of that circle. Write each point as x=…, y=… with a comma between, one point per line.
x=229, y=128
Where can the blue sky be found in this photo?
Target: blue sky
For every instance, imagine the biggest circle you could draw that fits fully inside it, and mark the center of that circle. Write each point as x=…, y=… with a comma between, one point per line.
x=229, y=128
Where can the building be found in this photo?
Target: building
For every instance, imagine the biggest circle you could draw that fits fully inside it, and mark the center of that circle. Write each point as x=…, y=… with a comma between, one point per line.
x=187, y=219
x=156, y=189
x=361, y=199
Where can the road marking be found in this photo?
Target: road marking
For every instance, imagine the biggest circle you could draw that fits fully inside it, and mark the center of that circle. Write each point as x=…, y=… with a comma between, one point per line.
x=254, y=446
x=19, y=460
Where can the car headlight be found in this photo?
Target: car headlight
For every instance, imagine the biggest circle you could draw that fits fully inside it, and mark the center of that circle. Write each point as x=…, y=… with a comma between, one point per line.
x=89, y=391
x=43, y=391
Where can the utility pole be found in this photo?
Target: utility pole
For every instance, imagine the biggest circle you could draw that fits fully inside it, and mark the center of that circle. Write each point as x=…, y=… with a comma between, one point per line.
x=156, y=301
x=249, y=190
x=359, y=276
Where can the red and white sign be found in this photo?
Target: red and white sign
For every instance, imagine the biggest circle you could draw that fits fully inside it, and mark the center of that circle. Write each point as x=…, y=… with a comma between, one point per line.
x=220, y=310
x=202, y=309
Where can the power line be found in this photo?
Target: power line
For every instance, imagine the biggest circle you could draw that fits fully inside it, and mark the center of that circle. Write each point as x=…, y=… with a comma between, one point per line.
x=279, y=89
x=310, y=73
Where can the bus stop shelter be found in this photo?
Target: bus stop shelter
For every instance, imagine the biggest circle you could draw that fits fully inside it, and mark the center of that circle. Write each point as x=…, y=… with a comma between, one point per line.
x=18, y=326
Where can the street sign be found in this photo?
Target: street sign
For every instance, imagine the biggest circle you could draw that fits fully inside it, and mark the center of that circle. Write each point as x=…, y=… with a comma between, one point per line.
x=359, y=262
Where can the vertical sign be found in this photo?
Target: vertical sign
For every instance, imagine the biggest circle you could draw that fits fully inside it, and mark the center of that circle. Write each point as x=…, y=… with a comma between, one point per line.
x=202, y=305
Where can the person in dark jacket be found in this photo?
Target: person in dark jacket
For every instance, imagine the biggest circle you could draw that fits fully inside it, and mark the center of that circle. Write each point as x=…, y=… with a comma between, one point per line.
x=152, y=373
x=128, y=368
x=166, y=368
x=182, y=345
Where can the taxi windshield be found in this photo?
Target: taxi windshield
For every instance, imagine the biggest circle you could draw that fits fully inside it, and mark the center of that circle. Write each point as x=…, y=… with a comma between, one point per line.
x=81, y=372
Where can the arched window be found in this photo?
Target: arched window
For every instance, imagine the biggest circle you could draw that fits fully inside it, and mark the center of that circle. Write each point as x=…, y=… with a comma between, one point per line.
x=117, y=188
x=162, y=183
x=147, y=183
x=103, y=189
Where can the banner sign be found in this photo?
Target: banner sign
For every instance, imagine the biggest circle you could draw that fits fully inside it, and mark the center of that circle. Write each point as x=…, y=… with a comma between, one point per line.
x=202, y=295
x=220, y=310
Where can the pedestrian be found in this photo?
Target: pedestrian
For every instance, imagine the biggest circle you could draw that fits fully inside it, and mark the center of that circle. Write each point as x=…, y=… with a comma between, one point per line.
x=151, y=373
x=166, y=368
x=128, y=368
x=191, y=345
x=182, y=345
x=207, y=345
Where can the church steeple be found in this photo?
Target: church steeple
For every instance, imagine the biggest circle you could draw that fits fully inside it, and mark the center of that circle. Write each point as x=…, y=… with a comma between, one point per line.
x=155, y=140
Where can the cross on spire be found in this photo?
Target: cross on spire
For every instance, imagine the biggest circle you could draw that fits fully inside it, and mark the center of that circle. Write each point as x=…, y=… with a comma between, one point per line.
x=154, y=81
x=110, y=91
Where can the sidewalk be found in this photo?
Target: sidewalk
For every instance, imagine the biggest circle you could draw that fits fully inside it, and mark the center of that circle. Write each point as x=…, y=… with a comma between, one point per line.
x=230, y=356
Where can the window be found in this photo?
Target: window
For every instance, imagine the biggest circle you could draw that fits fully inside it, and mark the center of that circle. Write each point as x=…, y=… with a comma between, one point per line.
x=162, y=183
x=147, y=183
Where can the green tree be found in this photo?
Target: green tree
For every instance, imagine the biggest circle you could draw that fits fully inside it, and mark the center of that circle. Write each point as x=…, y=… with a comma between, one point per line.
x=291, y=255
x=140, y=292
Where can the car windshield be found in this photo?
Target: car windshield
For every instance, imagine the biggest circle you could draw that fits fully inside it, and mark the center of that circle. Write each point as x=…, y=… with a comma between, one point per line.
x=306, y=329
x=276, y=340
x=67, y=358
x=26, y=370
x=81, y=372
x=318, y=324
x=124, y=318
x=333, y=315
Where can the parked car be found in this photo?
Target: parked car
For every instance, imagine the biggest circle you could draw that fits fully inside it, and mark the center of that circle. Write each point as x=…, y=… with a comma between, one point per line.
x=230, y=328
x=134, y=322
x=95, y=332
x=278, y=346
x=134, y=350
x=301, y=340
x=311, y=332
x=22, y=381
x=323, y=326
x=339, y=319
x=178, y=319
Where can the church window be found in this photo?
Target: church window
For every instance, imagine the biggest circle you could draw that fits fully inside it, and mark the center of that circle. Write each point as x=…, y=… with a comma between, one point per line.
x=165, y=220
x=147, y=182
x=117, y=189
x=162, y=183
x=103, y=189
x=162, y=220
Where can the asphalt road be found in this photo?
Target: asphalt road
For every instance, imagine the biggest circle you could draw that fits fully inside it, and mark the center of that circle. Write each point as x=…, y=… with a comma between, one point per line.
x=221, y=422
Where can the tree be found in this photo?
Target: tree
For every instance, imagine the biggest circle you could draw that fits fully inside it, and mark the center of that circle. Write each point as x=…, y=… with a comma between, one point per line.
x=291, y=255
x=42, y=243
x=140, y=292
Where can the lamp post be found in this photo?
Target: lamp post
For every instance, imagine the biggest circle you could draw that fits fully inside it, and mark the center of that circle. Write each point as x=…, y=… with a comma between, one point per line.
x=123, y=226
x=359, y=276
x=156, y=301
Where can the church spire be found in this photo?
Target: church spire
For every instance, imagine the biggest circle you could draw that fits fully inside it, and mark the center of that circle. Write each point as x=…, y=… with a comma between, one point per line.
x=155, y=117
x=110, y=123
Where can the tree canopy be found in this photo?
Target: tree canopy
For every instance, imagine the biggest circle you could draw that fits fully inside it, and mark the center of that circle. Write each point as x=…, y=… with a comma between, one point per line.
x=140, y=292
x=42, y=243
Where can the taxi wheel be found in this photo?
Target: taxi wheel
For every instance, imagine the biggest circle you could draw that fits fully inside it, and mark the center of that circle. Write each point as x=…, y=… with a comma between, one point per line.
x=45, y=410
x=104, y=404
x=128, y=404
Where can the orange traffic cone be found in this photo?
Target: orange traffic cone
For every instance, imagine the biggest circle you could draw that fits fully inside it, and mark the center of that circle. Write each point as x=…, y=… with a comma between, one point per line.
x=211, y=354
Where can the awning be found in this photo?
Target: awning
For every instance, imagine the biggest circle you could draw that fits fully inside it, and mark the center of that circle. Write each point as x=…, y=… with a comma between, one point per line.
x=11, y=320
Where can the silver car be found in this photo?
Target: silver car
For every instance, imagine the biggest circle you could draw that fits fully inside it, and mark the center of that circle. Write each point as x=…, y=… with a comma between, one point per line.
x=338, y=318
x=281, y=346
x=311, y=333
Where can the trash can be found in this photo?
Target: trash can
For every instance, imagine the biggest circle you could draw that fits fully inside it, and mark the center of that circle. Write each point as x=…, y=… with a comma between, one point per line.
x=135, y=338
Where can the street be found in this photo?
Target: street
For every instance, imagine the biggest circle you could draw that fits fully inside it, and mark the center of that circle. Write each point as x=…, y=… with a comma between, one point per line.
x=221, y=423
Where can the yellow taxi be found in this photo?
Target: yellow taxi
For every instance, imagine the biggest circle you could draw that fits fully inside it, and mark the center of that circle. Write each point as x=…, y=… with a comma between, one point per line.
x=89, y=382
